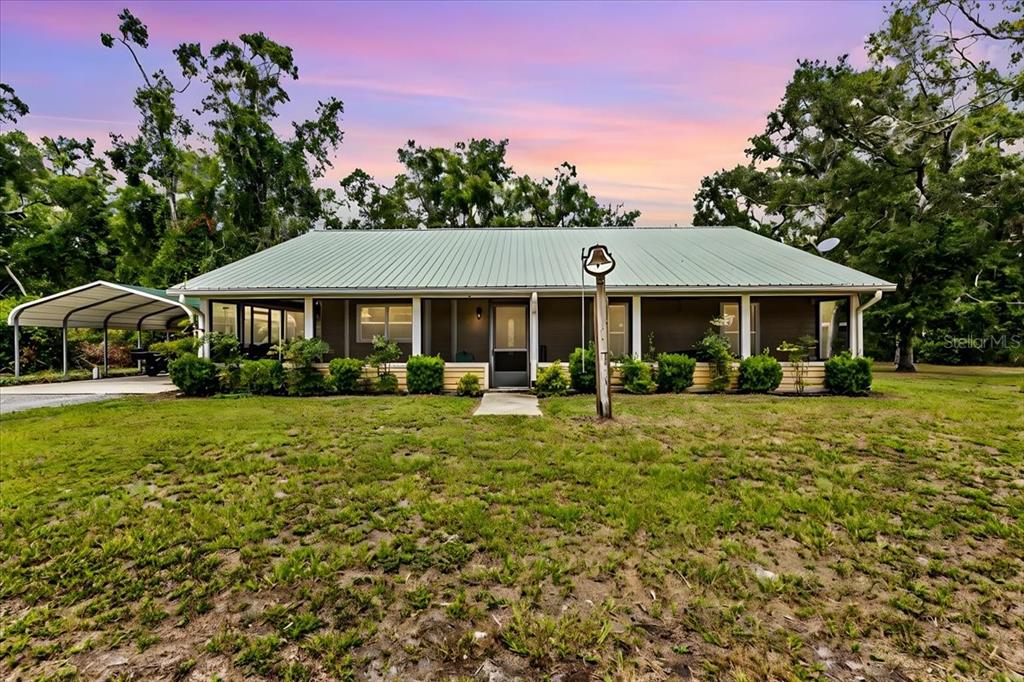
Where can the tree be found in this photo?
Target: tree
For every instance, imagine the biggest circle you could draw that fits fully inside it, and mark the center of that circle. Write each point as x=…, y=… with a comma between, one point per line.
x=472, y=185
x=909, y=162
x=268, y=191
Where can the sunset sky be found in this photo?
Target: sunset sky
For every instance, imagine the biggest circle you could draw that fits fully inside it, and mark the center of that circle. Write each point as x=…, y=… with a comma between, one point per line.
x=646, y=99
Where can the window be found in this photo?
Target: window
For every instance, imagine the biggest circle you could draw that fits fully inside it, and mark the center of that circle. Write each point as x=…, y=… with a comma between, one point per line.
x=391, y=320
x=618, y=329
x=510, y=327
x=225, y=318
x=294, y=324
x=260, y=326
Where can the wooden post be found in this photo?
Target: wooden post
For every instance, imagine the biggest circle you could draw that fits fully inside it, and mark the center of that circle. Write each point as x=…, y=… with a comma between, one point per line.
x=308, y=323
x=417, y=326
x=602, y=376
x=534, y=337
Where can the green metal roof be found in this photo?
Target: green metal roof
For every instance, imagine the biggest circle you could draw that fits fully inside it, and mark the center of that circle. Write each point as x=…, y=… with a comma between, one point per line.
x=497, y=259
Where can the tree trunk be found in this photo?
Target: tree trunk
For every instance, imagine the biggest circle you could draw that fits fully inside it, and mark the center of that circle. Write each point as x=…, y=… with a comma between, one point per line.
x=906, y=351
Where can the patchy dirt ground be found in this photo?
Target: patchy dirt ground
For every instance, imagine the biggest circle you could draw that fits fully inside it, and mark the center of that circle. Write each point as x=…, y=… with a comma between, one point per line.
x=696, y=537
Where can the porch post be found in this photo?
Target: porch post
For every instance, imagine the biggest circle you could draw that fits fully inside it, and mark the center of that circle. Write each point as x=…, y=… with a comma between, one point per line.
x=17, y=348
x=637, y=340
x=417, y=326
x=534, y=337
x=745, y=313
x=855, y=325
x=64, y=346
x=309, y=328
x=207, y=308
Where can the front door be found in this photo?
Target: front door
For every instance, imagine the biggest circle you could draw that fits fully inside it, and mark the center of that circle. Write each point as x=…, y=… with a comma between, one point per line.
x=510, y=361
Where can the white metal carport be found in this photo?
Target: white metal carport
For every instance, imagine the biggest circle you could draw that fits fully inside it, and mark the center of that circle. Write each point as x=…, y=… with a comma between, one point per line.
x=100, y=305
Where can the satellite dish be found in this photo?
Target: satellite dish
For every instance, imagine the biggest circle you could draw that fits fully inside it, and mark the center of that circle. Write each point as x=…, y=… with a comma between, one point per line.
x=827, y=245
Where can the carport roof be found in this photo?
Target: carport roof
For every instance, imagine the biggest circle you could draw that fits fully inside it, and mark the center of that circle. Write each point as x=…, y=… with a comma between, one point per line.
x=105, y=304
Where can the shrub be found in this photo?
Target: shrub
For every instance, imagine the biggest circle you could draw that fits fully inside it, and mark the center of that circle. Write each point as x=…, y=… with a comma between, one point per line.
x=225, y=348
x=346, y=375
x=636, y=376
x=760, y=373
x=194, y=375
x=424, y=374
x=384, y=352
x=551, y=381
x=798, y=352
x=675, y=372
x=186, y=345
x=715, y=350
x=469, y=384
x=387, y=383
x=847, y=375
x=262, y=377
x=581, y=369
x=302, y=377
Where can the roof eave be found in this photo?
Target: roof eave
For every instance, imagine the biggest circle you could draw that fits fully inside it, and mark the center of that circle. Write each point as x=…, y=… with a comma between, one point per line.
x=506, y=291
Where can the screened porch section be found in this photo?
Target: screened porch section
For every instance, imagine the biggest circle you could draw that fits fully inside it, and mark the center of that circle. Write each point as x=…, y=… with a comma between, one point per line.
x=258, y=325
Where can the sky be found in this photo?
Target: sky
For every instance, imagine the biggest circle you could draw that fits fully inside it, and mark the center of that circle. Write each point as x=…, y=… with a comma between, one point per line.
x=644, y=98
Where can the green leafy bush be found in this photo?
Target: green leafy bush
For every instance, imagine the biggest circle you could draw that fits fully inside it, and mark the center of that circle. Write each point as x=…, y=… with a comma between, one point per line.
x=469, y=384
x=716, y=351
x=186, y=345
x=424, y=374
x=194, y=375
x=346, y=375
x=551, y=381
x=636, y=376
x=262, y=377
x=760, y=373
x=581, y=369
x=675, y=372
x=225, y=348
x=387, y=383
x=847, y=375
x=302, y=377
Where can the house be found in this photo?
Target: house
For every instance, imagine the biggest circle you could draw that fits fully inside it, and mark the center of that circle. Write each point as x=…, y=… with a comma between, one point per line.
x=503, y=302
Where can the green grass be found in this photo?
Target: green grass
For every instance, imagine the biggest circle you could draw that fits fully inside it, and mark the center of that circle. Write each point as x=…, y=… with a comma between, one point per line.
x=724, y=537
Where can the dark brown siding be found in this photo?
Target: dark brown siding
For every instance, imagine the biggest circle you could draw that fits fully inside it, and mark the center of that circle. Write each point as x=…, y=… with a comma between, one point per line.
x=474, y=335
x=677, y=323
x=785, y=318
x=332, y=326
x=439, y=341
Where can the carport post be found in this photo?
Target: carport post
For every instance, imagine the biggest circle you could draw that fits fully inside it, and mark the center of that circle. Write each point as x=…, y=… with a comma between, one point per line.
x=17, y=349
x=138, y=342
x=64, y=344
x=106, y=346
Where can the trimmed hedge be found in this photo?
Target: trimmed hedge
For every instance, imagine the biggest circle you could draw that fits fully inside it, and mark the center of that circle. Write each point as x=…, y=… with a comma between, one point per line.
x=581, y=370
x=760, y=374
x=262, y=377
x=675, y=372
x=636, y=376
x=551, y=381
x=847, y=375
x=424, y=374
x=346, y=375
x=194, y=375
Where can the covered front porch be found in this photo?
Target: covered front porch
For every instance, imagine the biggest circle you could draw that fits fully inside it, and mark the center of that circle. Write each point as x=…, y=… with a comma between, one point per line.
x=505, y=339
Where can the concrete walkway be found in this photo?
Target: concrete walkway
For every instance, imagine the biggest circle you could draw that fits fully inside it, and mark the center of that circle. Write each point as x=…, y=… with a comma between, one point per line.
x=28, y=396
x=522, y=404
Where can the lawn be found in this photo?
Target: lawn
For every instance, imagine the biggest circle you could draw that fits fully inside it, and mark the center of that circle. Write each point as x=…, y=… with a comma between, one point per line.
x=718, y=537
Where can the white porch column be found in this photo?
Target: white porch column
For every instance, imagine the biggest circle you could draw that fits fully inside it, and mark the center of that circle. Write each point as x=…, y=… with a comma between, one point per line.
x=206, y=306
x=856, y=326
x=637, y=341
x=417, y=326
x=745, y=314
x=308, y=323
x=534, y=337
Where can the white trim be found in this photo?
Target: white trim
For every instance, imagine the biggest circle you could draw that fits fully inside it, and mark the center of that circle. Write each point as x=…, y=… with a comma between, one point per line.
x=745, y=313
x=417, y=325
x=858, y=349
x=360, y=338
x=308, y=321
x=521, y=292
x=206, y=305
x=534, y=324
x=636, y=333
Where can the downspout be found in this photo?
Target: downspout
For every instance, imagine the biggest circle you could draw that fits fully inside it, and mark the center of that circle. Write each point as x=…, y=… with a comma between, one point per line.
x=860, y=321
